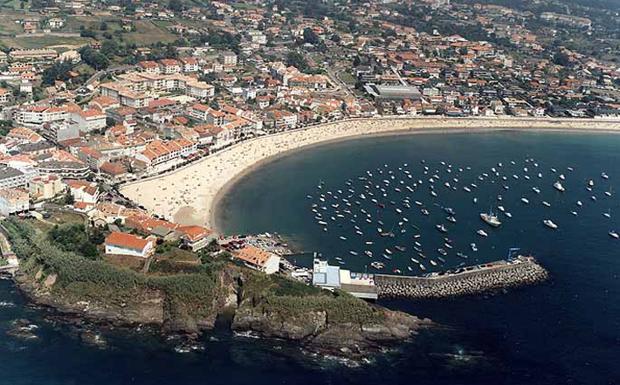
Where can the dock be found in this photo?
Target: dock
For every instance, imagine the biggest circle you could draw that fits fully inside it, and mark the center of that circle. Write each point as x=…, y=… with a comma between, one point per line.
x=477, y=279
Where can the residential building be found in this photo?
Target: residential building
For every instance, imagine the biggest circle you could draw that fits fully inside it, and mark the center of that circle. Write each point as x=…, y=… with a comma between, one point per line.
x=83, y=191
x=11, y=177
x=118, y=243
x=6, y=96
x=46, y=187
x=228, y=58
x=88, y=120
x=258, y=259
x=159, y=151
x=36, y=115
x=196, y=237
x=170, y=66
x=13, y=201
x=281, y=119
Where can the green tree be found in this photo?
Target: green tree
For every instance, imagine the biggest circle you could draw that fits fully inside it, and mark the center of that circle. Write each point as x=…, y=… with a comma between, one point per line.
x=58, y=71
x=69, y=200
x=311, y=37
x=93, y=58
x=297, y=60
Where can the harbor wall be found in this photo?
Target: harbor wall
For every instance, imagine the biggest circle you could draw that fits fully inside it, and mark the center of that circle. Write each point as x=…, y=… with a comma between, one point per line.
x=467, y=281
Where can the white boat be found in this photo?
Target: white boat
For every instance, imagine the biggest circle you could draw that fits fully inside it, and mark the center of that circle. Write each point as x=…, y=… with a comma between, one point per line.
x=368, y=253
x=545, y=203
x=509, y=215
x=536, y=190
x=574, y=213
x=590, y=183
x=473, y=247
x=322, y=223
x=562, y=177
x=441, y=228
x=524, y=200
x=558, y=186
x=490, y=219
x=607, y=214
x=604, y=176
x=549, y=223
x=343, y=238
x=579, y=203
x=614, y=234
x=482, y=233
x=353, y=252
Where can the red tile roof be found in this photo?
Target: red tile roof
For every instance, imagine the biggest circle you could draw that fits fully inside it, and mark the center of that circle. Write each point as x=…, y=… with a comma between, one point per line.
x=127, y=241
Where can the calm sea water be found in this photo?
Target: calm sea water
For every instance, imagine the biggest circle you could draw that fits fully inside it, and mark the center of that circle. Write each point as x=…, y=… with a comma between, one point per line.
x=566, y=331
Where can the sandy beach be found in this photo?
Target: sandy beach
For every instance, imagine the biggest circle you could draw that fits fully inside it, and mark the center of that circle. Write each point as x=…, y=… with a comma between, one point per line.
x=190, y=194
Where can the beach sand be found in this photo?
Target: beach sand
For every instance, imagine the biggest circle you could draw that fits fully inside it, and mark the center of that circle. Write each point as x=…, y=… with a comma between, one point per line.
x=190, y=194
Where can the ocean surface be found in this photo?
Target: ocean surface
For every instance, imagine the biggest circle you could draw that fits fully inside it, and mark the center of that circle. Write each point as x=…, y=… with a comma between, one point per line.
x=566, y=331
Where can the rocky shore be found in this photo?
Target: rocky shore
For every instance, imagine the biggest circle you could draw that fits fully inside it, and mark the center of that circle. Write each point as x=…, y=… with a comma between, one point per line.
x=317, y=333
x=499, y=276
x=315, y=330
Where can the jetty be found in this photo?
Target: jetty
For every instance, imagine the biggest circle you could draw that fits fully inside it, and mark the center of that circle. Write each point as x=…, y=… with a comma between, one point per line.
x=468, y=280
x=513, y=272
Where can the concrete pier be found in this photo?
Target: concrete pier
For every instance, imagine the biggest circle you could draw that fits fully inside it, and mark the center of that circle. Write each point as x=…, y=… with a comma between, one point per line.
x=520, y=271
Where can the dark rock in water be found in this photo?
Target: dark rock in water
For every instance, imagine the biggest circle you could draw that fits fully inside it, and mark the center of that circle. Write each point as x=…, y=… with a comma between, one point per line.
x=92, y=338
x=22, y=328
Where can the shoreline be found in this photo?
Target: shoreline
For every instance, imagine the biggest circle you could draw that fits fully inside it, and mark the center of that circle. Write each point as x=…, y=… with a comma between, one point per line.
x=223, y=169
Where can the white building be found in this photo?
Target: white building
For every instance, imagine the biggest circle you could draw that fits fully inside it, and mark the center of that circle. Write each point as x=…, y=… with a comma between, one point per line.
x=88, y=120
x=118, y=243
x=11, y=178
x=13, y=201
x=259, y=259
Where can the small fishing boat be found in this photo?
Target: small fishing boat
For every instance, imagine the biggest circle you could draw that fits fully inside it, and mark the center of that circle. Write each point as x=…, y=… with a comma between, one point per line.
x=549, y=223
x=558, y=186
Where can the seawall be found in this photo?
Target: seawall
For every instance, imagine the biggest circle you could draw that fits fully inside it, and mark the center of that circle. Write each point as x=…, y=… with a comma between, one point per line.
x=471, y=280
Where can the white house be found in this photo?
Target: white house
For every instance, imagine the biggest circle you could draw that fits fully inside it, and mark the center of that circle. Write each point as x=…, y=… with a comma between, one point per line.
x=13, y=201
x=118, y=243
x=259, y=259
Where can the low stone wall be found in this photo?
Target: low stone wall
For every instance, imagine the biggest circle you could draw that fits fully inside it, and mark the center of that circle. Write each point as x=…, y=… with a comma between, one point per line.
x=493, y=276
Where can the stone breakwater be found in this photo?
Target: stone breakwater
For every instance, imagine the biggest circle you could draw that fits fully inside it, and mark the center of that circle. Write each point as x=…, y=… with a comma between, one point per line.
x=465, y=281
